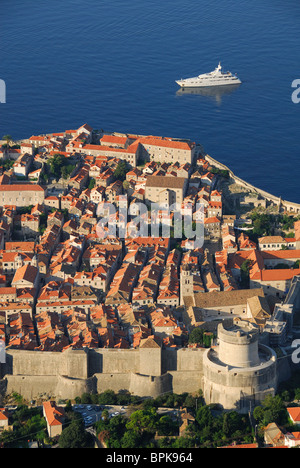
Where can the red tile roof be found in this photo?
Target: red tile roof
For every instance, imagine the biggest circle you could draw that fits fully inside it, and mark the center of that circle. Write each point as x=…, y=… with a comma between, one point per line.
x=21, y=188
x=165, y=142
x=294, y=413
x=276, y=274
x=54, y=414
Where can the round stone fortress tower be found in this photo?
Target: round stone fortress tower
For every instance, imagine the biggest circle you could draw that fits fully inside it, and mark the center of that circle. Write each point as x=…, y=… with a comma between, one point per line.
x=239, y=372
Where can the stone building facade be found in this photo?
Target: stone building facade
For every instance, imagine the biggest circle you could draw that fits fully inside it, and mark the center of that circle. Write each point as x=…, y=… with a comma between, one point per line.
x=165, y=191
x=168, y=150
x=21, y=194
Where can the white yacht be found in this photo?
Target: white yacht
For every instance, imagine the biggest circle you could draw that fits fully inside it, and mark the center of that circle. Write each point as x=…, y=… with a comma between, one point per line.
x=215, y=78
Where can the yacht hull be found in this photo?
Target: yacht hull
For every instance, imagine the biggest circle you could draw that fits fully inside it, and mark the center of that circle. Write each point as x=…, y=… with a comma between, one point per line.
x=214, y=78
x=184, y=84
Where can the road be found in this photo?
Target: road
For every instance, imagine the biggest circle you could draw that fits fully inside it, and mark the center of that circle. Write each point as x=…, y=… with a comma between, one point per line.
x=93, y=413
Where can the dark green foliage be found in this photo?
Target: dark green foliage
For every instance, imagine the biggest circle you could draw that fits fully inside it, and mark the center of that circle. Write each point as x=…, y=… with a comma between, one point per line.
x=108, y=398
x=29, y=425
x=92, y=184
x=7, y=164
x=211, y=427
x=272, y=410
x=220, y=172
x=200, y=337
x=75, y=436
x=121, y=170
x=245, y=271
x=59, y=166
x=266, y=224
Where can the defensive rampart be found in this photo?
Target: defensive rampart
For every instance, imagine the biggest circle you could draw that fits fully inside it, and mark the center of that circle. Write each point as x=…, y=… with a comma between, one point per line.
x=35, y=374
x=290, y=206
x=74, y=372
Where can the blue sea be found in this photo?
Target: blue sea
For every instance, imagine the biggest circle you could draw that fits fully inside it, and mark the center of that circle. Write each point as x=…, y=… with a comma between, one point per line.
x=113, y=64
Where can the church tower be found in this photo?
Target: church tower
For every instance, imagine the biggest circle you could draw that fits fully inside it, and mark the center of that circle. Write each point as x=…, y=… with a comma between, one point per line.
x=34, y=261
x=18, y=261
x=186, y=283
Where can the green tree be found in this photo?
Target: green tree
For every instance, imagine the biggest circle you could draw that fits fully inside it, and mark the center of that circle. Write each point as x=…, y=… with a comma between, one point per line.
x=8, y=139
x=245, y=272
x=196, y=336
x=271, y=410
x=116, y=428
x=204, y=417
x=262, y=224
x=143, y=420
x=275, y=408
x=121, y=170
x=296, y=264
x=287, y=222
x=126, y=185
x=107, y=398
x=57, y=163
x=66, y=171
x=25, y=209
x=7, y=164
x=86, y=398
x=29, y=424
x=92, y=184
x=166, y=426
x=189, y=402
x=297, y=394
x=75, y=436
x=131, y=439
x=68, y=407
x=258, y=413
x=7, y=439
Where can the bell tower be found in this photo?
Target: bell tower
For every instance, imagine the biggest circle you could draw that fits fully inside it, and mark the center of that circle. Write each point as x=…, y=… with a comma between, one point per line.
x=186, y=283
x=18, y=262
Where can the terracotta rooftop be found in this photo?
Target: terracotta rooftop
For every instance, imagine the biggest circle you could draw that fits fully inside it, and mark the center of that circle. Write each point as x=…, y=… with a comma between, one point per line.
x=276, y=274
x=21, y=188
x=166, y=142
x=294, y=412
x=54, y=414
x=226, y=298
x=150, y=342
x=165, y=182
x=271, y=240
x=27, y=273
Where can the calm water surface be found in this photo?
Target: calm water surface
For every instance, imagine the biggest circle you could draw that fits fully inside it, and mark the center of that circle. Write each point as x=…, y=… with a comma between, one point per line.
x=113, y=64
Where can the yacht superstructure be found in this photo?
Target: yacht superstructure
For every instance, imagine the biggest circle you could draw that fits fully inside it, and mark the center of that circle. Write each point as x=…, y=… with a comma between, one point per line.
x=215, y=78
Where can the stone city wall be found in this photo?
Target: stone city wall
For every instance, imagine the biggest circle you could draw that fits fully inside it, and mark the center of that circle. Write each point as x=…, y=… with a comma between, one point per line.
x=113, y=361
x=290, y=206
x=69, y=374
x=35, y=374
x=54, y=387
x=73, y=363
